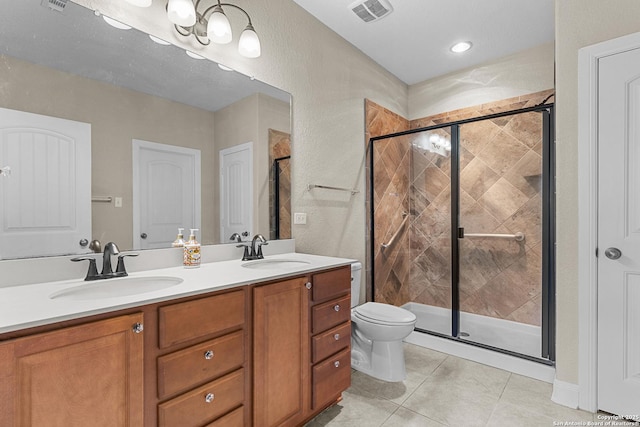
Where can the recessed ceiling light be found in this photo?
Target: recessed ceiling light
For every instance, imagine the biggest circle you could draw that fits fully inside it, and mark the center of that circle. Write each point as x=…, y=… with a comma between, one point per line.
x=194, y=55
x=159, y=40
x=224, y=67
x=116, y=24
x=461, y=47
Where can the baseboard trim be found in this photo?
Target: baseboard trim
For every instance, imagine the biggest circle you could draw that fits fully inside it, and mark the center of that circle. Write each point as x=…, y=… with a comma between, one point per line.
x=565, y=394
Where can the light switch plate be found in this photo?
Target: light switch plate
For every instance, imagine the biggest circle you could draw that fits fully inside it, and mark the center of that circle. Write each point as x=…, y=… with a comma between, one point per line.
x=118, y=202
x=299, y=218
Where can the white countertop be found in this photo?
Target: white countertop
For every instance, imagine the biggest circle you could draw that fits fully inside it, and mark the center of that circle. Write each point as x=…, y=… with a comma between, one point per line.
x=26, y=306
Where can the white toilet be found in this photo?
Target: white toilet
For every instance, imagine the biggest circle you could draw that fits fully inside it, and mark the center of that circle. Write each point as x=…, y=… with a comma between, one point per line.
x=377, y=331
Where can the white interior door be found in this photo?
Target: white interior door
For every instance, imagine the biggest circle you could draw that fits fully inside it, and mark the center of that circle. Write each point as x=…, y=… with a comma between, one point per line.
x=619, y=233
x=45, y=203
x=166, y=193
x=236, y=191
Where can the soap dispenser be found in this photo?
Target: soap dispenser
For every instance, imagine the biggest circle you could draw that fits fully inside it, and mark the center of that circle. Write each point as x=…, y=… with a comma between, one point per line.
x=179, y=242
x=191, y=257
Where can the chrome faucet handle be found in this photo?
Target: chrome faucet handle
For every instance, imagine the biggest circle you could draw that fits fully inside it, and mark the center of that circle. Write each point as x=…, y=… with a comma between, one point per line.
x=236, y=237
x=260, y=245
x=92, y=273
x=246, y=255
x=120, y=269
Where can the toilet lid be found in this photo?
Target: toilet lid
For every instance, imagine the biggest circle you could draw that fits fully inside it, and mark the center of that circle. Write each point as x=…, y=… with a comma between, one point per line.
x=384, y=313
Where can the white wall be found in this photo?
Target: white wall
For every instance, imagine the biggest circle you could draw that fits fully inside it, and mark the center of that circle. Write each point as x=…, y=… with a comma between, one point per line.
x=579, y=23
x=519, y=74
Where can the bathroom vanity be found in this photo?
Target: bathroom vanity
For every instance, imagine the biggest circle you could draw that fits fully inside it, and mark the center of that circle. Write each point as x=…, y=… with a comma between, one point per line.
x=263, y=347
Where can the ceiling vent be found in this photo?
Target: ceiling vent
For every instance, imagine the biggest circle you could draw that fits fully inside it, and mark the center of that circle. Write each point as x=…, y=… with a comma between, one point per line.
x=371, y=10
x=57, y=5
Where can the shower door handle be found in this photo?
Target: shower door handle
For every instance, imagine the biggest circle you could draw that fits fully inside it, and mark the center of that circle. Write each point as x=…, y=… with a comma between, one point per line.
x=613, y=253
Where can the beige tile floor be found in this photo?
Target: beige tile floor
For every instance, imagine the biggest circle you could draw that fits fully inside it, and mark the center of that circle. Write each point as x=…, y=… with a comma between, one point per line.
x=443, y=390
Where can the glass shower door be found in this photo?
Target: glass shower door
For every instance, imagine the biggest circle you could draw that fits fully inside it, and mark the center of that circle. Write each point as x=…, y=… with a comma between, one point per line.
x=500, y=230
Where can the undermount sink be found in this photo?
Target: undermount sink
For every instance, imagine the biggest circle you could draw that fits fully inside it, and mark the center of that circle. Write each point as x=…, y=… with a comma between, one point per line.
x=274, y=264
x=111, y=288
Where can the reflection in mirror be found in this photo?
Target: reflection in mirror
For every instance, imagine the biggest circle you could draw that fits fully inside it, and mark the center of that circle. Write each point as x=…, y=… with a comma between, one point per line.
x=72, y=66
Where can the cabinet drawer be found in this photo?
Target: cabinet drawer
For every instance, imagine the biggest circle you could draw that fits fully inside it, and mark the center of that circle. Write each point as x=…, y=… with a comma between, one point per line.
x=192, y=408
x=330, y=314
x=331, y=284
x=332, y=341
x=183, y=369
x=232, y=419
x=189, y=320
x=330, y=378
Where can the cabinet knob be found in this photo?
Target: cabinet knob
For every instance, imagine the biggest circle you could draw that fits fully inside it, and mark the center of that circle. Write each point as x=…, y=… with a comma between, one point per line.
x=336, y=307
x=308, y=285
x=137, y=328
x=208, y=354
x=336, y=363
x=336, y=337
x=209, y=397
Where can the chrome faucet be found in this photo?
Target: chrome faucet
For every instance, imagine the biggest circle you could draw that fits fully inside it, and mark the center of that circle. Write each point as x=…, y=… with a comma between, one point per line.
x=256, y=246
x=253, y=249
x=109, y=249
x=236, y=237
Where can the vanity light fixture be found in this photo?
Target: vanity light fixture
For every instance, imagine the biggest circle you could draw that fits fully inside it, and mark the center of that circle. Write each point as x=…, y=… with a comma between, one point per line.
x=212, y=25
x=461, y=47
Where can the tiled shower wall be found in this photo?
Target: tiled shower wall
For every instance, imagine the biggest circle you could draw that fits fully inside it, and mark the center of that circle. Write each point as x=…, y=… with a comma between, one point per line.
x=280, y=146
x=499, y=193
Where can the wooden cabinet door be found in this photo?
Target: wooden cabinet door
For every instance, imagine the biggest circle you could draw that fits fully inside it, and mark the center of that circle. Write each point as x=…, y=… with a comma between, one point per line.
x=281, y=353
x=88, y=375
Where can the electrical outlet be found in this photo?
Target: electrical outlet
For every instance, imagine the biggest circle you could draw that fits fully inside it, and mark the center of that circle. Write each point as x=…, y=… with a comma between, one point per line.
x=299, y=218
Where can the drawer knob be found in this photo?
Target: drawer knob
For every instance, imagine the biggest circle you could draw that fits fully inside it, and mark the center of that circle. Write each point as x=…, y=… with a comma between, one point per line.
x=336, y=363
x=336, y=307
x=336, y=337
x=208, y=354
x=137, y=328
x=308, y=285
x=209, y=397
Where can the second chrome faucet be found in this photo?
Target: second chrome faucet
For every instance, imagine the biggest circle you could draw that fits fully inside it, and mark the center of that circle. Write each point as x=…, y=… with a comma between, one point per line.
x=253, y=249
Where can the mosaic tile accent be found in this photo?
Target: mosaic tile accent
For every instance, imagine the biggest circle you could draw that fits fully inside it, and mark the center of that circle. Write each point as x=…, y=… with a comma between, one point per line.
x=500, y=192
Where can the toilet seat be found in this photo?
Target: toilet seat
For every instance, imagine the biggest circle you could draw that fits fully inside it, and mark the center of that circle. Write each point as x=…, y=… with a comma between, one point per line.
x=384, y=314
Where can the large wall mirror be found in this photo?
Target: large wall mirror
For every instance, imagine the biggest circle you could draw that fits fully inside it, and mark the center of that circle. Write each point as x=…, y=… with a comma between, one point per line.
x=163, y=130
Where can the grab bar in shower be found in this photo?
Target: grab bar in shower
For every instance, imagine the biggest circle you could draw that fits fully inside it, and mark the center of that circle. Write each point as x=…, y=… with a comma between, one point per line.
x=395, y=235
x=518, y=237
x=353, y=191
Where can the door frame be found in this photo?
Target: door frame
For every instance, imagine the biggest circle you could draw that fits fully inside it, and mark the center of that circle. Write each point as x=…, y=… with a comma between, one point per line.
x=588, y=61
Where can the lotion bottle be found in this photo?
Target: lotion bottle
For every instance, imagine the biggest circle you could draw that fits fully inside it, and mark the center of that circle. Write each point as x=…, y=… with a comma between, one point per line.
x=179, y=242
x=191, y=257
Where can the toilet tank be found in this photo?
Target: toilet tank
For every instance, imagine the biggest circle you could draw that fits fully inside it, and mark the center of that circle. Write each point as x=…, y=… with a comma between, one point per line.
x=356, y=274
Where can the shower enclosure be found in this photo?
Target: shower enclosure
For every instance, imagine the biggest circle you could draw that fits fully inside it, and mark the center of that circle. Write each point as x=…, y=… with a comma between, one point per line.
x=462, y=232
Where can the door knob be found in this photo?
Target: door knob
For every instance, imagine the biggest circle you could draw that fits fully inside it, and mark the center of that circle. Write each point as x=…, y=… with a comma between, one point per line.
x=612, y=253
x=143, y=235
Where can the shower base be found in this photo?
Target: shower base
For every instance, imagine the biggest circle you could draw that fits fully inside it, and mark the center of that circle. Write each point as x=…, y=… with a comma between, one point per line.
x=504, y=334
